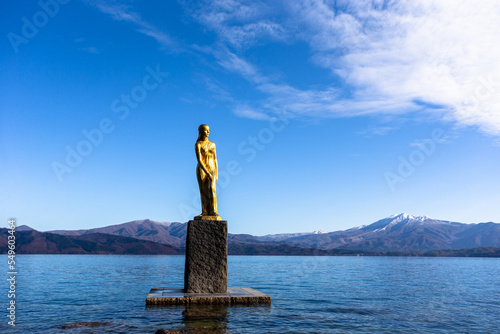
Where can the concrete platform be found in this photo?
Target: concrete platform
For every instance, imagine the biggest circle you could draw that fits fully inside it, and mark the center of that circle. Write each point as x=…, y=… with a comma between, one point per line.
x=176, y=296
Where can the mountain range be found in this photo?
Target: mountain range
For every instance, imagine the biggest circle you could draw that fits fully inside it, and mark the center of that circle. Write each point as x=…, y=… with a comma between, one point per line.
x=173, y=234
x=405, y=233
x=401, y=233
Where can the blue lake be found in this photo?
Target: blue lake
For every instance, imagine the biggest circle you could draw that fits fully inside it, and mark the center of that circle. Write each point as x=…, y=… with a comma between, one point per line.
x=310, y=295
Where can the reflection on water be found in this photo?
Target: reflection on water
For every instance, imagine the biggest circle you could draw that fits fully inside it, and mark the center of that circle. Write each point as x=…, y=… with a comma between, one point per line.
x=205, y=318
x=211, y=317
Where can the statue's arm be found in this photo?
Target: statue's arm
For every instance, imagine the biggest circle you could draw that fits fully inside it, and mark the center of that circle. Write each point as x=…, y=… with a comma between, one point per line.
x=216, y=166
x=200, y=160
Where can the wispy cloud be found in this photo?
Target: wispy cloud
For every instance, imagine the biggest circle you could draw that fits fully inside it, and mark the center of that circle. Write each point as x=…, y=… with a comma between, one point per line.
x=125, y=13
x=248, y=112
x=414, y=57
x=286, y=99
x=228, y=18
x=377, y=131
x=235, y=63
x=240, y=24
x=90, y=49
x=213, y=85
x=435, y=52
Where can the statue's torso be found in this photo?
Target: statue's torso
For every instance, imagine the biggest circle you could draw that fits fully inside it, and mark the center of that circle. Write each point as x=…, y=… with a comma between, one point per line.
x=207, y=151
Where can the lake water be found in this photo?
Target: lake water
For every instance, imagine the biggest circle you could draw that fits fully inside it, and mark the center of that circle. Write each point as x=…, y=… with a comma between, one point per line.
x=310, y=295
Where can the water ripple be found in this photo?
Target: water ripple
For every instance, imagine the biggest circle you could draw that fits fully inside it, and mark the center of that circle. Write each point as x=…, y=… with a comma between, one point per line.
x=106, y=293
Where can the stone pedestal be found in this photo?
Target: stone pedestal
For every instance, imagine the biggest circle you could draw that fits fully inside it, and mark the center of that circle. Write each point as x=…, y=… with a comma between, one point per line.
x=205, y=274
x=206, y=257
x=233, y=296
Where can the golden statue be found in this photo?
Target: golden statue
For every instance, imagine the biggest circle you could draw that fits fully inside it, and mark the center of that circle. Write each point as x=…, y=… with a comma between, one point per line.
x=206, y=173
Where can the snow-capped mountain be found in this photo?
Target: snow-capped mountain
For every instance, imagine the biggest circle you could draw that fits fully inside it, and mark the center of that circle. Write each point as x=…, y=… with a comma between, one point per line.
x=283, y=236
x=404, y=220
x=404, y=232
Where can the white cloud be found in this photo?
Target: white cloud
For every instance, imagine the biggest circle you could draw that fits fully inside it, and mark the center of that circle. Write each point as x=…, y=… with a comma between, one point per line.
x=248, y=112
x=393, y=57
x=234, y=63
x=436, y=52
x=285, y=99
x=240, y=23
x=250, y=33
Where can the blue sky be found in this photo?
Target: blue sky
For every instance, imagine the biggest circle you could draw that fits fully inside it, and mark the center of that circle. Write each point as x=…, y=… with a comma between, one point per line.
x=326, y=114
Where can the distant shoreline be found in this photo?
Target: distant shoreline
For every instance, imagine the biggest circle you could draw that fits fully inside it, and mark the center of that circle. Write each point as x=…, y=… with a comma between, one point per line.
x=489, y=252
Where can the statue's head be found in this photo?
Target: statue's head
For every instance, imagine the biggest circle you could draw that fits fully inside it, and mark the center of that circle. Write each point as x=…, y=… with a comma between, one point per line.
x=203, y=131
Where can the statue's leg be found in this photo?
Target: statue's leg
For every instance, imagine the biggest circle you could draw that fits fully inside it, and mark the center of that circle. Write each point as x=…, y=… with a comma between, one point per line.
x=211, y=199
x=202, y=184
x=205, y=200
x=214, y=201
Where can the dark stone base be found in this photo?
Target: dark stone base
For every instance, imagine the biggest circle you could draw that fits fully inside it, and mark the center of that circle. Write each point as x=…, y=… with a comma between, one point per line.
x=233, y=296
x=206, y=257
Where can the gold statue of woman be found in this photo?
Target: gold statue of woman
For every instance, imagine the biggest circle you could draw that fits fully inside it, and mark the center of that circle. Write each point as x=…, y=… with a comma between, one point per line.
x=206, y=173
